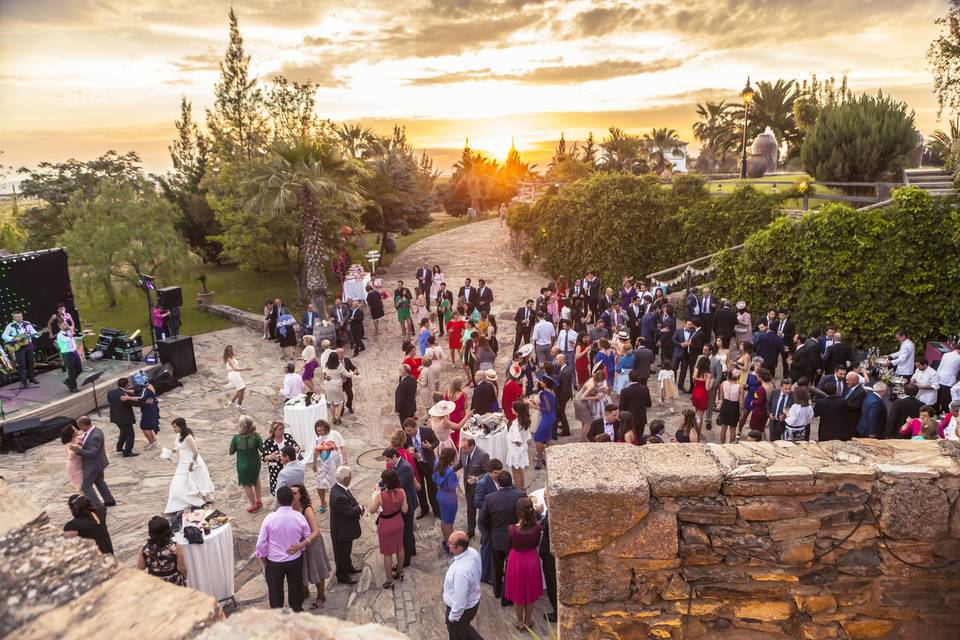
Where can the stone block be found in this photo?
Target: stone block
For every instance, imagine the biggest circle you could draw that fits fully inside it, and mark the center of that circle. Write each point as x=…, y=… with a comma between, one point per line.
x=589, y=505
x=771, y=508
x=910, y=592
x=695, y=555
x=846, y=472
x=739, y=590
x=815, y=603
x=676, y=589
x=766, y=611
x=867, y=628
x=707, y=513
x=793, y=528
x=693, y=534
x=654, y=537
x=681, y=470
x=912, y=510
x=698, y=607
x=906, y=471
x=955, y=519
x=586, y=578
x=16, y=509
x=797, y=552
x=812, y=631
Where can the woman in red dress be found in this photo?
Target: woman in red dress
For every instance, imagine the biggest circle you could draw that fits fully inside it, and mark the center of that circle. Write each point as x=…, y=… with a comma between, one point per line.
x=759, y=413
x=581, y=360
x=397, y=441
x=459, y=415
x=393, y=502
x=512, y=391
x=523, y=584
x=563, y=288
x=454, y=331
x=410, y=358
x=701, y=378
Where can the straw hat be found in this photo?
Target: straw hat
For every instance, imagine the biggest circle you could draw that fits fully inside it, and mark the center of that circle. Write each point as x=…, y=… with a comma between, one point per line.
x=491, y=375
x=623, y=335
x=442, y=409
x=526, y=350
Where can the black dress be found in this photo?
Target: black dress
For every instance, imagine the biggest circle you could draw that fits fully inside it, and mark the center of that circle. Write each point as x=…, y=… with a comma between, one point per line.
x=375, y=304
x=90, y=530
x=270, y=446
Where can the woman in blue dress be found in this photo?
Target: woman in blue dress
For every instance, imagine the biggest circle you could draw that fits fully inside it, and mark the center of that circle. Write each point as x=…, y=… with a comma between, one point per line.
x=750, y=387
x=546, y=403
x=445, y=478
x=149, y=415
x=607, y=356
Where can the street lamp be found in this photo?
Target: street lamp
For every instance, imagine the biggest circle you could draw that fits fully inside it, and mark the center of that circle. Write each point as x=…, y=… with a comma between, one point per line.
x=747, y=97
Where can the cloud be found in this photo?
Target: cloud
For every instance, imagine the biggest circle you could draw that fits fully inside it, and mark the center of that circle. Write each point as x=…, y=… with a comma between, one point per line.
x=322, y=74
x=558, y=74
x=446, y=37
x=190, y=63
x=316, y=41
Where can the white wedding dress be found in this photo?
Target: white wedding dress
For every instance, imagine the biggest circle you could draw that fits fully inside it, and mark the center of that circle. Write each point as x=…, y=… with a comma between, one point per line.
x=188, y=488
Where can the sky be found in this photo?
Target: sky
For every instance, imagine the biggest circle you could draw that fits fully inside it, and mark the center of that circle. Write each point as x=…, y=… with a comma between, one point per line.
x=80, y=77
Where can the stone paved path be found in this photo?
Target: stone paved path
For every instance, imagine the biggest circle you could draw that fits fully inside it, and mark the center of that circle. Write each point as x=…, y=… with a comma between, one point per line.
x=478, y=250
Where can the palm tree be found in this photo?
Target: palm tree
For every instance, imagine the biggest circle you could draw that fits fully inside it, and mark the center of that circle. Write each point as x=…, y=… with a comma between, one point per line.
x=773, y=107
x=716, y=130
x=361, y=142
x=314, y=180
x=659, y=143
x=623, y=153
x=945, y=146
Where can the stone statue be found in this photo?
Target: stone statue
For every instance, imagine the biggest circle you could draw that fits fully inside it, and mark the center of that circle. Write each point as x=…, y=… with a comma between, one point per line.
x=766, y=146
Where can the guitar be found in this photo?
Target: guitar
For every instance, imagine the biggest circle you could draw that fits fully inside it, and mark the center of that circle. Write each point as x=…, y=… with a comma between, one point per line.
x=21, y=341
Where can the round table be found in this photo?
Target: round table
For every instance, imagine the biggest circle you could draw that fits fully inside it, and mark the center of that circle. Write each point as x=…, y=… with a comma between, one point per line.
x=356, y=288
x=300, y=420
x=210, y=565
x=495, y=444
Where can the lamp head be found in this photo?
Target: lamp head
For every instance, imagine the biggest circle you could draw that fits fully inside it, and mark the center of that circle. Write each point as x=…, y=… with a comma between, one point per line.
x=747, y=94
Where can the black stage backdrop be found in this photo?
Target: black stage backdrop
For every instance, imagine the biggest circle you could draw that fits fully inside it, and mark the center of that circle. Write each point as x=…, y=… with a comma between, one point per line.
x=35, y=283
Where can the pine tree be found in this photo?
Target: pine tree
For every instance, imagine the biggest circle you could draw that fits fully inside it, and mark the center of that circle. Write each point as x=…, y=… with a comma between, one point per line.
x=589, y=153
x=560, y=153
x=188, y=151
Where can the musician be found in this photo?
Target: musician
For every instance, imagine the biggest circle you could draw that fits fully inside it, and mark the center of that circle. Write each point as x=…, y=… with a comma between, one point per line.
x=67, y=346
x=18, y=337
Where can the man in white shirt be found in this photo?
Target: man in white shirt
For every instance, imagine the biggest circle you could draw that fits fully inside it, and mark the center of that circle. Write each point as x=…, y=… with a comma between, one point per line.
x=903, y=359
x=461, y=588
x=567, y=340
x=543, y=335
x=292, y=382
x=925, y=377
x=947, y=376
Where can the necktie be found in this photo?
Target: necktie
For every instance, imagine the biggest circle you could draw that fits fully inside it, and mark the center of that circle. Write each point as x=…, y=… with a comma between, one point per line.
x=466, y=464
x=781, y=405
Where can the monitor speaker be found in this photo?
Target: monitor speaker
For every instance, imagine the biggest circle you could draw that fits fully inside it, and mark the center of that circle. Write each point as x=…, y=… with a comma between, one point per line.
x=178, y=353
x=170, y=297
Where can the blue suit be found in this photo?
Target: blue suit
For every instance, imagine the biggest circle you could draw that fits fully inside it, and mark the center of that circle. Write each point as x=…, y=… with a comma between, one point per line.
x=873, y=416
x=768, y=346
x=648, y=329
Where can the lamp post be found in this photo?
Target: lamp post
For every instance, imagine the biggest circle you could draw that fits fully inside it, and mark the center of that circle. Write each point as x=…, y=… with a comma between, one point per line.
x=747, y=97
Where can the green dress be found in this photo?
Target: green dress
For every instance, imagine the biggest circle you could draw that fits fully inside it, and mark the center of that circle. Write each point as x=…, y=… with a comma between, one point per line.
x=446, y=310
x=247, y=447
x=402, y=303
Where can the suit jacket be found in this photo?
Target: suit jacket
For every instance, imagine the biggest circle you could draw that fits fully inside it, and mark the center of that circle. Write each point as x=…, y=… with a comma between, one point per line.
x=841, y=390
x=707, y=317
x=725, y=322
x=93, y=453
x=345, y=514
x=772, y=403
x=873, y=416
x=789, y=331
x=484, y=487
x=768, y=346
x=429, y=455
x=716, y=371
x=306, y=322
x=679, y=337
x=633, y=317
x=120, y=412
x=405, y=397
x=565, y=389
x=648, y=329
x=835, y=423
x=643, y=361
x=499, y=512
x=484, y=398
x=634, y=398
x=340, y=314
x=408, y=482
x=290, y=474
x=424, y=275
x=469, y=294
x=596, y=428
x=485, y=298
x=692, y=306
x=545, y=536
x=591, y=289
x=838, y=353
x=806, y=361
x=520, y=316
x=477, y=467
x=900, y=410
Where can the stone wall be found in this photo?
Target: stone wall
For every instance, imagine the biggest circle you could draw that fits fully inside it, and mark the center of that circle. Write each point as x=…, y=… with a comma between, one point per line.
x=757, y=540
x=234, y=315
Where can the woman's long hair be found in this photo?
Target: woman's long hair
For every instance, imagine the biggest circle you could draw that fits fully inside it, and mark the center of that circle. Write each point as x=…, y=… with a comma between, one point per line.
x=304, y=496
x=526, y=514
x=228, y=352
x=523, y=414
x=447, y=456
x=333, y=361
x=80, y=506
x=627, y=425
x=688, y=421
x=182, y=428
x=159, y=532
x=703, y=366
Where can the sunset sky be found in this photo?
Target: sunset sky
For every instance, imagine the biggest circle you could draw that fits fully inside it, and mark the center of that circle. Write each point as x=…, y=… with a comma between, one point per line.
x=79, y=77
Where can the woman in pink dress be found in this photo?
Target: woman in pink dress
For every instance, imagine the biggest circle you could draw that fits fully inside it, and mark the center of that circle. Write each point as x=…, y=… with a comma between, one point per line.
x=392, y=499
x=524, y=579
x=72, y=436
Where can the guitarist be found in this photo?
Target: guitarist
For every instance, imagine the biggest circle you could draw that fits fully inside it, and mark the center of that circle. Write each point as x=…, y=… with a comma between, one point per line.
x=18, y=337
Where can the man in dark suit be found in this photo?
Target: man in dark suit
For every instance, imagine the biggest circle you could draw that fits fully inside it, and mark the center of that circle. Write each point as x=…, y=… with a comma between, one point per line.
x=356, y=328
x=806, y=360
x=273, y=316
x=681, y=352
x=91, y=449
x=486, y=485
x=643, y=360
x=725, y=321
x=484, y=395
x=609, y=424
x=549, y=564
x=422, y=443
x=707, y=309
x=635, y=398
x=484, y=296
x=784, y=327
x=691, y=305
x=469, y=295
x=525, y=318
x=873, y=415
x=767, y=346
x=563, y=371
x=348, y=382
x=499, y=512
x=902, y=409
x=839, y=379
x=778, y=404
x=833, y=414
x=307, y=319
x=408, y=482
x=634, y=313
x=345, y=513
x=405, y=396
x=591, y=292
x=425, y=280
x=340, y=314
x=838, y=353
x=121, y=414
x=854, y=397
x=473, y=461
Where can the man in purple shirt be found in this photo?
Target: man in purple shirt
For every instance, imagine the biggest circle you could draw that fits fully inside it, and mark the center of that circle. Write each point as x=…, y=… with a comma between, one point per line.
x=284, y=535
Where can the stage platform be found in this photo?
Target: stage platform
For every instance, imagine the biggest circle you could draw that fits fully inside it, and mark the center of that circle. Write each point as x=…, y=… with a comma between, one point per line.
x=51, y=397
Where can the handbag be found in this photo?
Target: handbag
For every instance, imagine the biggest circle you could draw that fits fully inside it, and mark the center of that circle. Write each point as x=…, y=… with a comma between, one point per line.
x=193, y=534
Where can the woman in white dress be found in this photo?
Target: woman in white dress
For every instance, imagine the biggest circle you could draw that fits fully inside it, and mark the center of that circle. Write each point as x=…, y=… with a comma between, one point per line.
x=441, y=425
x=234, y=378
x=518, y=440
x=419, y=307
x=328, y=454
x=427, y=383
x=191, y=485
x=438, y=279
x=333, y=376
x=435, y=353
x=309, y=351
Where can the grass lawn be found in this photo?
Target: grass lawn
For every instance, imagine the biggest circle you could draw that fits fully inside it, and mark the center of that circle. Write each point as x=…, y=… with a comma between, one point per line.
x=439, y=222
x=231, y=286
x=763, y=184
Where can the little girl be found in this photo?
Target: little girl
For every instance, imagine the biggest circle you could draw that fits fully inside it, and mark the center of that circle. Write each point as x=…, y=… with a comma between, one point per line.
x=668, y=385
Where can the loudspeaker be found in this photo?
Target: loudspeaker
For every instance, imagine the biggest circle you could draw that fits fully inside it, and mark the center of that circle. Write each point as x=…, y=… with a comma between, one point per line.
x=164, y=380
x=170, y=297
x=20, y=435
x=178, y=353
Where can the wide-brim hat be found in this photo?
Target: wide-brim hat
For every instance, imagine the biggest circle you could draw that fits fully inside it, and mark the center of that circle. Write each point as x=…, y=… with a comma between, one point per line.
x=597, y=367
x=514, y=370
x=526, y=350
x=442, y=409
x=623, y=335
x=491, y=375
x=741, y=305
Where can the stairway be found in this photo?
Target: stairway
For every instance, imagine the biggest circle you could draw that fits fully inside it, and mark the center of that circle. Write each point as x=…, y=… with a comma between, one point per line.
x=936, y=181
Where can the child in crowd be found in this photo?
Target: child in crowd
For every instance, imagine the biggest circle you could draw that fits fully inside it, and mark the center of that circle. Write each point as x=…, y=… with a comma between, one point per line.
x=668, y=385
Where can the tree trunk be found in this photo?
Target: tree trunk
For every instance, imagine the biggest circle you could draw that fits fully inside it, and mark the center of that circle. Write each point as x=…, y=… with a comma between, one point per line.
x=311, y=252
x=108, y=289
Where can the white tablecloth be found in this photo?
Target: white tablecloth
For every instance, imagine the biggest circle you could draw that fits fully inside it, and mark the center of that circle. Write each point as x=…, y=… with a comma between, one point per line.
x=300, y=420
x=354, y=289
x=210, y=565
x=495, y=445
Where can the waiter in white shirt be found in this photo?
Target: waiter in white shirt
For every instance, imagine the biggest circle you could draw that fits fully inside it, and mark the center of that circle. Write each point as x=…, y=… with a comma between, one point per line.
x=947, y=374
x=904, y=359
x=925, y=377
x=567, y=340
x=461, y=588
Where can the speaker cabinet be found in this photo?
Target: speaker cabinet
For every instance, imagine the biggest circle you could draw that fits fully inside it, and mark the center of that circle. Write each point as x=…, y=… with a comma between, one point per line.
x=178, y=353
x=170, y=297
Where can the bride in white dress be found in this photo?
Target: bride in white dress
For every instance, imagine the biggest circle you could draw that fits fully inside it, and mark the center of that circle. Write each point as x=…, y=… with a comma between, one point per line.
x=191, y=485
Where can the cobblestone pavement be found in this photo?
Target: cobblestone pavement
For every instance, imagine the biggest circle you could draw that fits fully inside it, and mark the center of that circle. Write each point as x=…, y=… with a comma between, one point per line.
x=140, y=484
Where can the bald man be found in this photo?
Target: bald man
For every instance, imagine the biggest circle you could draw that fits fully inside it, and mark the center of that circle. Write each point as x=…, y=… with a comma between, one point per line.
x=461, y=588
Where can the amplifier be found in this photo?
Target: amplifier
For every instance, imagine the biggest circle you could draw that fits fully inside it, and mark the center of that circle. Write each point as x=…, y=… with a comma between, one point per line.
x=132, y=355
x=124, y=342
x=110, y=332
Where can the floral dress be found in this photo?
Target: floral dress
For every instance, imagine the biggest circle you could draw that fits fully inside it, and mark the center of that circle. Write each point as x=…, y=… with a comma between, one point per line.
x=162, y=562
